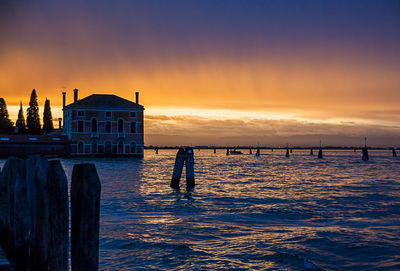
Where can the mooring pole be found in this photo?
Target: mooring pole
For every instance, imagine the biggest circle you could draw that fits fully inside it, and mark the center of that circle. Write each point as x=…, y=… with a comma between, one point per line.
x=215, y=150
x=287, y=152
x=320, y=150
x=156, y=150
x=85, y=214
x=227, y=151
x=177, y=173
x=394, y=152
x=250, y=151
x=189, y=168
x=365, y=156
x=57, y=190
x=258, y=151
x=311, y=151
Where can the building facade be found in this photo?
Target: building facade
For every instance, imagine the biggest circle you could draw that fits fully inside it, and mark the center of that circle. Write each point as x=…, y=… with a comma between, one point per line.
x=104, y=125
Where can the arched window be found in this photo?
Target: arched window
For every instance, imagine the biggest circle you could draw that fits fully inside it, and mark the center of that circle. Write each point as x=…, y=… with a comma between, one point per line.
x=120, y=147
x=108, y=127
x=120, y=126
x=94, y=146
x=133, y=147
x=94, y=125
x=80, y=147
x=107, y=147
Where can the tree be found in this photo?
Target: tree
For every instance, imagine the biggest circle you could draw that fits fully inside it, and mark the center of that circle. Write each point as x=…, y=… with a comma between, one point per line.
x=6, y=125
x=47, y=118
x=21, y=120
x=32, y=115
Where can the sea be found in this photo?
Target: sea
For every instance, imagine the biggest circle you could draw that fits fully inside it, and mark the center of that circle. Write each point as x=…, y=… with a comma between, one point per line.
x=250, y=213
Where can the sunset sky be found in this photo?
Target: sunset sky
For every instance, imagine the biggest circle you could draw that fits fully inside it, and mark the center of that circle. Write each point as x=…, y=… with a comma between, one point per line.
x=216, y=72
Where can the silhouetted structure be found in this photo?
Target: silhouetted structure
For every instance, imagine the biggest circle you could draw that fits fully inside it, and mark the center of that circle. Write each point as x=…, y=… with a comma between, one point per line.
x=21, y=120
x=104, y=125
x=6, y=125
x=32, y=115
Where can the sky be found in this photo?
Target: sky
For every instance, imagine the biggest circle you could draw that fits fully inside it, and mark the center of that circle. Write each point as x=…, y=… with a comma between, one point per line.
x=220, y=72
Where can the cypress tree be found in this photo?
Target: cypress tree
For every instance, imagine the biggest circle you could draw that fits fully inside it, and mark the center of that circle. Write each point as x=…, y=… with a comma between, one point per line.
x=21, y=120
x=47, y=117
x=6, y=125
x=32, y=115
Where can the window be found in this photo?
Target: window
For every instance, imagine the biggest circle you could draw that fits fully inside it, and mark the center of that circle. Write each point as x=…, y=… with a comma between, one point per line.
x=133, y=127
x=80, y=126
x=133, y=147
x=120, y=147
x=132, y=114
x=108, y=127
x=80, y=147
x=120, y=126
x=94, y=125
x=81, y=113
x=108, y=114
x=94, y=147
x=107, y=147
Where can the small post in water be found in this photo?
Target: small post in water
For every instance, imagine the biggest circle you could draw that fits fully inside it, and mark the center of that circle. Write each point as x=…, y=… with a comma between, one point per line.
x=227, y=151
x=189, y=168
x=250, y=151
x=85, y=215
x=258, y=151
x=215, y=150
x=365, y=156
x=394, y=152
x=320, y=156
x=287, y=152
x=178, y=167
x=311, y=151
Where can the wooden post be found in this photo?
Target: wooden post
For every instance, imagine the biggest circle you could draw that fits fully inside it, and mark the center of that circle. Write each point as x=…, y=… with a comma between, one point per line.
x=227, y=151
x=287, y=152
x=22, y=205
x=320, y=156
x=365, y=156
x=36, y=174
x=250, y=151
x=57, y=190
x=13, y=169
x=215, y=150
x=311, y=151
x=394, y=152
x=85, y=212
x=177, y=173
x=258, y=151
x=189, y=168
x=156, y=150
x=291, y=150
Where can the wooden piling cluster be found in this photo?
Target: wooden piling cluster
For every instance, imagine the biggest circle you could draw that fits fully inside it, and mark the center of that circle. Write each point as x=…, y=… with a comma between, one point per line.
x=185, y=156
x=34, y=214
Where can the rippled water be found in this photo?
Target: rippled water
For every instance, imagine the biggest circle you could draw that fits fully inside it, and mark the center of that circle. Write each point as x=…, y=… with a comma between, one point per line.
x=251, y=213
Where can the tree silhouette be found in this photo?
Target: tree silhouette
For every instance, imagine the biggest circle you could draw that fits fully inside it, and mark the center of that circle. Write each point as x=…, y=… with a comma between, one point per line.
x=32, y=115
x=6, y=125
x=47, y=117
x=21, y=120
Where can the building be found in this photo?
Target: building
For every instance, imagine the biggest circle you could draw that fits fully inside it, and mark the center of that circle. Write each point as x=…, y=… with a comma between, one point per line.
x=104, y=125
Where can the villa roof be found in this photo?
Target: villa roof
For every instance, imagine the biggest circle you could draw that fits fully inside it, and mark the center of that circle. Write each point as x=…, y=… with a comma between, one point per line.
x=104, y=101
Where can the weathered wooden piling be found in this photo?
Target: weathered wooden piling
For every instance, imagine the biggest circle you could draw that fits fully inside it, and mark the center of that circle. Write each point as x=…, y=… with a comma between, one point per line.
x=36, y=175
x=365, y=156
x=394, y=152
x=215, y=150
x=14, y=169
x=287, y=153
x=189, y=168
x=258, y=151
x=57, y=189
x=320, y=156
x=85, y=214
x=156, y=150
x=311, y=151
x=250, y=151
x=291, y=150
x=227, y=151
x=178, y=167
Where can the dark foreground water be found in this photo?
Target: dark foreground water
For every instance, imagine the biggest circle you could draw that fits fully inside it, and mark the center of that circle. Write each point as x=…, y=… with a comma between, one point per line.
x=251, y=213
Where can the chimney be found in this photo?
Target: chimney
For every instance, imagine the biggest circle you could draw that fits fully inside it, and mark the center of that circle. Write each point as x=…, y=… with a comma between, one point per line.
x=137, y=97
x=64, y=93
x=59, y=123
x=75, y=95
